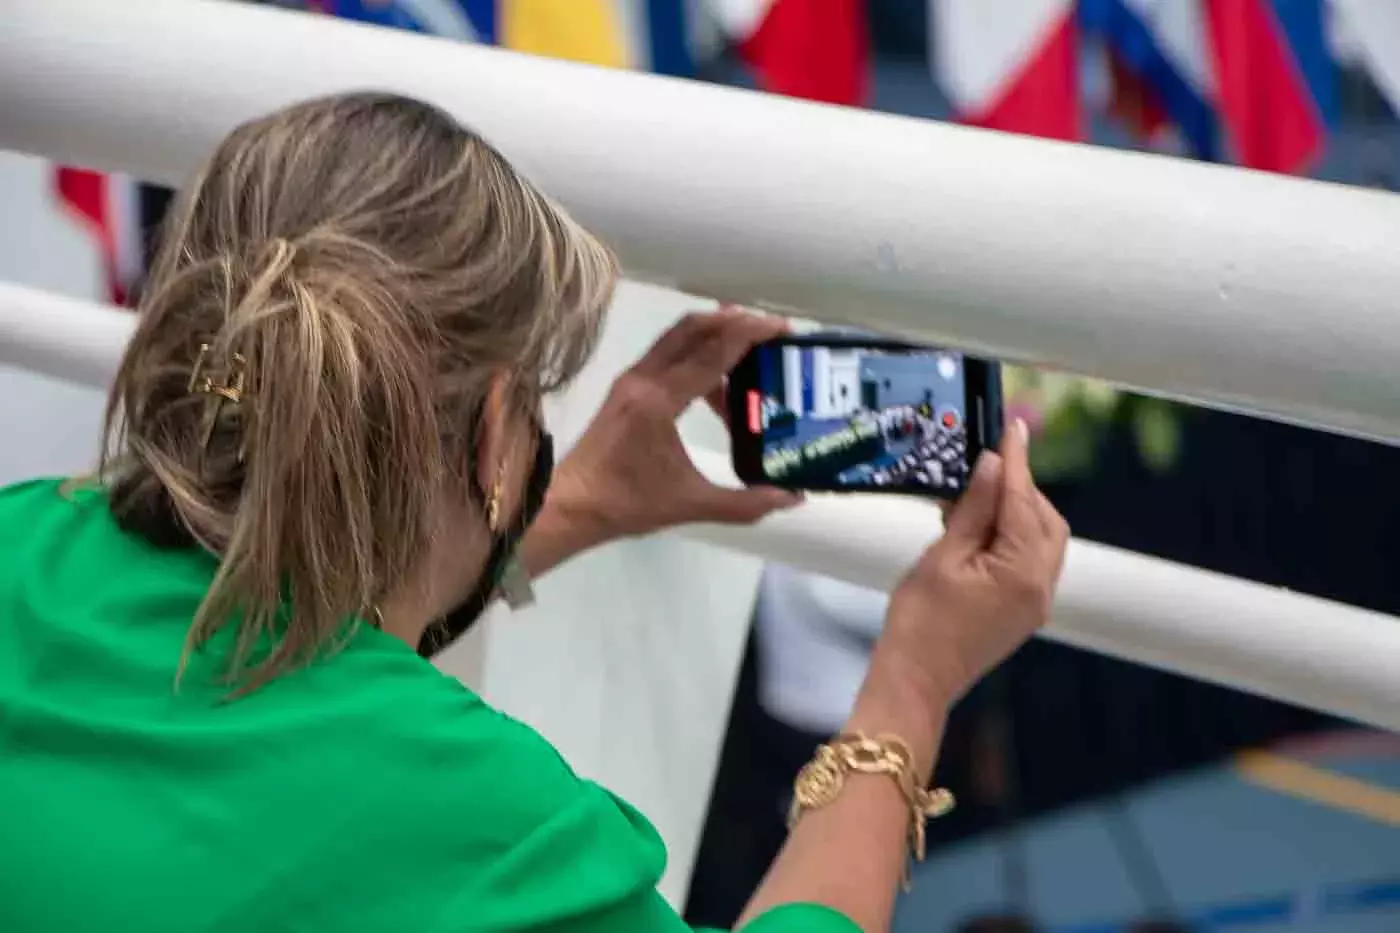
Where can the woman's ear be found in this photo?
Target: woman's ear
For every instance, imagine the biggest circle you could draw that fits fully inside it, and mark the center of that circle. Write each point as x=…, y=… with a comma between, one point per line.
x=493, y=439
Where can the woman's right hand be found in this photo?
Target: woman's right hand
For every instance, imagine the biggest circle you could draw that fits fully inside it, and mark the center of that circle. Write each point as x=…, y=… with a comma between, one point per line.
x=982, y=589
x=970, y=601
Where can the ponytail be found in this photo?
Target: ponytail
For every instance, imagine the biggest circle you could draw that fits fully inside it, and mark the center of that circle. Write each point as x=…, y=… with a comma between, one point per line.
x=367, y=268
x=291, y=484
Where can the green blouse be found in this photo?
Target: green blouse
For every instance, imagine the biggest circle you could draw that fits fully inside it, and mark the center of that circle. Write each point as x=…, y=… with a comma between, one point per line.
x=365, y=792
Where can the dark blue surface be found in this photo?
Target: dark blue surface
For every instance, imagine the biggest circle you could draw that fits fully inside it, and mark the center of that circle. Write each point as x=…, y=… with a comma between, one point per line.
x=1233, y=856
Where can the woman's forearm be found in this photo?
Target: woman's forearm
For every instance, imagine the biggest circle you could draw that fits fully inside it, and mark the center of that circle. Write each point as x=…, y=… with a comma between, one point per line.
x=850, y=854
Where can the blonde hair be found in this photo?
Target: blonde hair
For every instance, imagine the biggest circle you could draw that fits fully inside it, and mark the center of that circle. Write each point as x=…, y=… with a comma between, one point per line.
x=376, y=266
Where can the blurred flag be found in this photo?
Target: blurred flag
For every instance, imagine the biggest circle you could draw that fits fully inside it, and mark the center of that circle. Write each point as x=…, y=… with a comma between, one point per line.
x=1253, y=76
x=664, y=36
x=451, y=19
x=1276, y=82
x=107, y=206
x=1162, y=74
x=648, y=35
x=579, y=30
x=1011, y=65
x=1372, y=33
x=801, y=48
x=651, y=35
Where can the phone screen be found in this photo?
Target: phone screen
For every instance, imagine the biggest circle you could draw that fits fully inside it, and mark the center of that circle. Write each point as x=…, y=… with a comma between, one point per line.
x=851, y=417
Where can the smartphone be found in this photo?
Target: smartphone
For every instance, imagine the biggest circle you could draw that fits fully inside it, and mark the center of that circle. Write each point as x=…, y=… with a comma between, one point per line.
x=840, y=413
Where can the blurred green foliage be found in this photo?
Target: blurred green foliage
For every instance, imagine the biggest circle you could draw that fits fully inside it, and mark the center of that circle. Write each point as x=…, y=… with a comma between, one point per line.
x=1070, y=416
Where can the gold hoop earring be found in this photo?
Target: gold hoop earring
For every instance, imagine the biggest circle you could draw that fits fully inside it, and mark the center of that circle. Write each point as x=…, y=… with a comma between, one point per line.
x=493, y=507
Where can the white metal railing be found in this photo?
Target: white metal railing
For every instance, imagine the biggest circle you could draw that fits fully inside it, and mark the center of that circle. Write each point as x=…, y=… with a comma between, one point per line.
x=1296, y=648
x=63, y=337
x=1237, y=288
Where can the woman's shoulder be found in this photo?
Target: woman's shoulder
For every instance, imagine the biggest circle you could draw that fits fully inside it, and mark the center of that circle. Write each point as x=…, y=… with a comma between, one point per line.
x=504, y=770
x=444, y=730
x=36, y=497
x=51, y=493
x=486, y=810
x=77, y=512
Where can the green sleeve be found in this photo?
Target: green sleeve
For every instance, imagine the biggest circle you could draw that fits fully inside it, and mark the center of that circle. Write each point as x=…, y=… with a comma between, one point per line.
x=650, y=913
x=802, y=918
x=557, y=854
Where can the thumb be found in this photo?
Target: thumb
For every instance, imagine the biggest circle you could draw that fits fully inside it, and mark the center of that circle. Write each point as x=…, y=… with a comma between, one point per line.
x=973, y=521
x=743, y=506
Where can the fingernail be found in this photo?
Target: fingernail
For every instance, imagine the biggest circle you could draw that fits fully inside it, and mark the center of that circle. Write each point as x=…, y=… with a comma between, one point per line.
x=1023, y=431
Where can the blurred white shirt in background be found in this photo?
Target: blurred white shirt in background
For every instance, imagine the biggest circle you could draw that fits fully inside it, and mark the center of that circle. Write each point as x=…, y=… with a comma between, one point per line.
x=814, y=636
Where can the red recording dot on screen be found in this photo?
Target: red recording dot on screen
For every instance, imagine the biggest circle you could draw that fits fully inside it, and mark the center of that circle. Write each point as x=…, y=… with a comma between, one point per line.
x=755, y=417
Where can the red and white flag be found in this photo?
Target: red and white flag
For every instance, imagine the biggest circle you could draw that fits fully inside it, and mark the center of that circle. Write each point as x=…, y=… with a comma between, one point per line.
x=1011, y=65
x=814, y=50
x=108, y=206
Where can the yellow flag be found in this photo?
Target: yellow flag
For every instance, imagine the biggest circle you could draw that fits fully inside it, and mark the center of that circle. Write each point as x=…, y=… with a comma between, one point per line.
x=579, y=30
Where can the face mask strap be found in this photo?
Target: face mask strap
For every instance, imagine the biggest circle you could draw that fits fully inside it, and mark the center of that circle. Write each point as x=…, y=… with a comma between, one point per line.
x=503, y=574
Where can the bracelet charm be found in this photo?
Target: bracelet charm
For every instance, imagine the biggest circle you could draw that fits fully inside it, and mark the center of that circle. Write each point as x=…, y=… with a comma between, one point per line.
x=823, y=778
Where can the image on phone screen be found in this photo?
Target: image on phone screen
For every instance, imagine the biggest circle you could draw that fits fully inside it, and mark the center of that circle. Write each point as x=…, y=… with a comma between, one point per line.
x=853, y=417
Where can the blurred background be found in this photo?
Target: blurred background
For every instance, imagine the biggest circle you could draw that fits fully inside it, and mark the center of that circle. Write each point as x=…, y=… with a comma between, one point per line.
x=1095, y=795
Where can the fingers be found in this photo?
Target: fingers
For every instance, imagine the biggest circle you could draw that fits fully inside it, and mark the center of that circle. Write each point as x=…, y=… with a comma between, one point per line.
x=671, y=345
x=1019, y=519
x=1020, y=483
x=971, y=523
x=1015, y=450
x=742, y=506
x=703, y=367
x=718, y=400
x=693, y=357
x=1030, y=532
x=683, y=336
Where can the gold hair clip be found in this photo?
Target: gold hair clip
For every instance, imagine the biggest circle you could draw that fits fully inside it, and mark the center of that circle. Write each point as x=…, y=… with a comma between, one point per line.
x=230, y=391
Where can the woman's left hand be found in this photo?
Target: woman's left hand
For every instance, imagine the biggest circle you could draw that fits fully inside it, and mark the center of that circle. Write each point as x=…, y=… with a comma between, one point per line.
x=629, y=473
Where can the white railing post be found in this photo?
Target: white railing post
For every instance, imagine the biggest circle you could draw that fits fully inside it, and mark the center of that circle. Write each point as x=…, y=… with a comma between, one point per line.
x=1238, y=288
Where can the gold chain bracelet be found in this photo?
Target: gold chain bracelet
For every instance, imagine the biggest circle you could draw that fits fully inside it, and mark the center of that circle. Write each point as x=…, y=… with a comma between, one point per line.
x=821, y=780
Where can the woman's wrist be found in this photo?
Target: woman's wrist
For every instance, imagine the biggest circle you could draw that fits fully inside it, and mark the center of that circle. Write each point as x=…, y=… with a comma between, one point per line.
x=570, y=523
x=920, y=643
x=896, y=698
